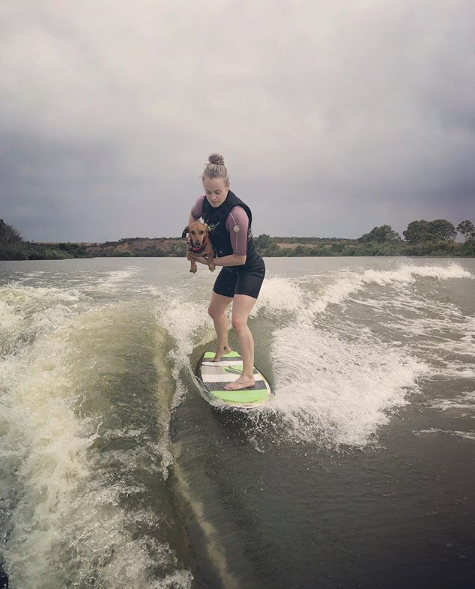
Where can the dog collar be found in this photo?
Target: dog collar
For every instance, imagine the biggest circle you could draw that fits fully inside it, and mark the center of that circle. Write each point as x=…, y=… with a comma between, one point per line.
x=198, y=249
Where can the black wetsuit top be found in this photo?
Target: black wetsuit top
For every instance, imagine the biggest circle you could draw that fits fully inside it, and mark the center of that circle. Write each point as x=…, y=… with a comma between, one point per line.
x=216, y=218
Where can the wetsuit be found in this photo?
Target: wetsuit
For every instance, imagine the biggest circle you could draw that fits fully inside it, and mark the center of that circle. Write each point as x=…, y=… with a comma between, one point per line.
x=229, y=228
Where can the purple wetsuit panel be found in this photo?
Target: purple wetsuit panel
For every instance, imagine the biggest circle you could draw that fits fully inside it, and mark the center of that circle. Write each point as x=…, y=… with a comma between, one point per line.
x=198, y=208
x=237, y=224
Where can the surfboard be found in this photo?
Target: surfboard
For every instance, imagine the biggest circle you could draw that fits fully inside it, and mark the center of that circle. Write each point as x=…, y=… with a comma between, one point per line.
x=213, y=376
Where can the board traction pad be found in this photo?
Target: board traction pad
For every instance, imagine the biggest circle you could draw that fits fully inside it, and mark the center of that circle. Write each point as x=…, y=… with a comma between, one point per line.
x=233, y=364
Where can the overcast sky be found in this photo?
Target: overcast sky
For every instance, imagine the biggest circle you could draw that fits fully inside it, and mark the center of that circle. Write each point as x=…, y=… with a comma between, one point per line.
x=333, y=116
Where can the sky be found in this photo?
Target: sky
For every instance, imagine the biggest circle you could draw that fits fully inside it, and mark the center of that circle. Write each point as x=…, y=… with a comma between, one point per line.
x=333, y=116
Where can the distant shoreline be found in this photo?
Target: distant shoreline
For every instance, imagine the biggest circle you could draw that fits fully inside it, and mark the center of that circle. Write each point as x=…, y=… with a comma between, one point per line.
x=422, y=238
x=267, y=246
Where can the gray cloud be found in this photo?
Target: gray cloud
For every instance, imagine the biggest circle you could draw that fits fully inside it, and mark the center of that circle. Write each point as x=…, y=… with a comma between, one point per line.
x=333, y=117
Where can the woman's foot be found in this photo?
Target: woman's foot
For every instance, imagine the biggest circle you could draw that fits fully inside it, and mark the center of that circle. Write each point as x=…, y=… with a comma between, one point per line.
x=221, y=351
x=241, y=383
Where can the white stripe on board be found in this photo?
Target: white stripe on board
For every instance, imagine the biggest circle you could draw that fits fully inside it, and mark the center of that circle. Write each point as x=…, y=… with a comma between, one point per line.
x=219, y=377
x=222, y=362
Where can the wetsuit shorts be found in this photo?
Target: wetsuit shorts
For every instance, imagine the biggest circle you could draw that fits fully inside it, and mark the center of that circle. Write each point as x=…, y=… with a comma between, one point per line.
x=246, y=281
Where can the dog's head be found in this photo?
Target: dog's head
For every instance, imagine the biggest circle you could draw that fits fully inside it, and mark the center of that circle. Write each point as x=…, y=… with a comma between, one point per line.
x=197, y=233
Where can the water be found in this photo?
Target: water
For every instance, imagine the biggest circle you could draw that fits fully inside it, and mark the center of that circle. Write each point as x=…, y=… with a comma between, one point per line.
x=115, y=472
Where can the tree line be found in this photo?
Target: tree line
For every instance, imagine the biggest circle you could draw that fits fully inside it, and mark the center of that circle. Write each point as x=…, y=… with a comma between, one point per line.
x=422, y=231
x=421, y=238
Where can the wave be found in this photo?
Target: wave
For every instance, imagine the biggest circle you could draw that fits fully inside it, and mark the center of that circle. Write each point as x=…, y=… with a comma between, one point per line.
x=74, y=442
x=335, y=379
x=404, y=274
x=336, y=391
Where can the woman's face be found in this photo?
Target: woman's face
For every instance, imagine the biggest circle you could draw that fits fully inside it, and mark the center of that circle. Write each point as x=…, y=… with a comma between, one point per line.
x=216, y=191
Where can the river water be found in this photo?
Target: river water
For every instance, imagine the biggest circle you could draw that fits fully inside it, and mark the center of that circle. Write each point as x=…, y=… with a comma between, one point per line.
x=116, y=473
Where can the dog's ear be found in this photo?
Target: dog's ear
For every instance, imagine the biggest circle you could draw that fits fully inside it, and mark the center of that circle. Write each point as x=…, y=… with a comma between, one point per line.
x=206, y=226
x=185, y=231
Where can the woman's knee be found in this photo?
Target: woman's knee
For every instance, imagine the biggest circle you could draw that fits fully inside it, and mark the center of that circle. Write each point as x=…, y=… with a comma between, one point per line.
x=214, y=312
x=239, y=322
x=218, y=305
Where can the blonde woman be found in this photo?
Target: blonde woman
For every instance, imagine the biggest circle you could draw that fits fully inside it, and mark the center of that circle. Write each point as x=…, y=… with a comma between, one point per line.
x=229, y=222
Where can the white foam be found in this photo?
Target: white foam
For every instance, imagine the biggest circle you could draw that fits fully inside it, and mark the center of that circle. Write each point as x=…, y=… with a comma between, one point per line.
x=27, y=313
x=335, y=390
x=182, y=320
x=438, y=330
x=408, y=273
x=114, y=280
x=279, y=296
x=444, y=334
x=22, y=297
x=189, y=324
x=464, y=404
x=470, y=435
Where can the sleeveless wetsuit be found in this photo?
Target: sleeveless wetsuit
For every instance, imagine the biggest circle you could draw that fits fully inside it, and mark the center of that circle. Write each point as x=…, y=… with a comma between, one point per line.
x=229, y=228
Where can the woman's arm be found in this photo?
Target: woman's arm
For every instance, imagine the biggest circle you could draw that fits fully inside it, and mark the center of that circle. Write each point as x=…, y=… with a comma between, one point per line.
x=196, y=211
x=231, y=260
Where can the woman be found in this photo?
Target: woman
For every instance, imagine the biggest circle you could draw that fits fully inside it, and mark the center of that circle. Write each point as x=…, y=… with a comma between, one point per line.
x=229, y=224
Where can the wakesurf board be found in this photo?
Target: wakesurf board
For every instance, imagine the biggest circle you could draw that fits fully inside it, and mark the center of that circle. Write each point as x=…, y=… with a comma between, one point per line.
x=213, y=376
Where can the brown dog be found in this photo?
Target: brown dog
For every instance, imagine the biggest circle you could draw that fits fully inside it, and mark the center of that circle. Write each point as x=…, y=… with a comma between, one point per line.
x=199, y=244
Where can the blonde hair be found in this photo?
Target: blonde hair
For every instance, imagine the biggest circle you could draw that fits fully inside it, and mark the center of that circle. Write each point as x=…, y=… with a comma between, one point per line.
x=215, y=168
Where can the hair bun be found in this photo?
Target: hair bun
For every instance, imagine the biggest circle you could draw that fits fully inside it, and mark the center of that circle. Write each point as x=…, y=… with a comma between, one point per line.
x=216, y=159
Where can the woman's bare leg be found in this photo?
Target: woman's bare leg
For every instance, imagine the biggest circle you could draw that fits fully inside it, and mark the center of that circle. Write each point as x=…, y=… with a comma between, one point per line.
x=242, y=306
x=217, y=311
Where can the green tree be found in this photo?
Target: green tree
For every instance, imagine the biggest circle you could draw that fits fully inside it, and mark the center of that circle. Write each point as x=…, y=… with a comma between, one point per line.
x=8, y=234
x=262, y=241
x=418, y=232
x=383, y=234
x=442, y=229
x=337, y=247
x=467, y=229
x=422, y=231
x=12, y=246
